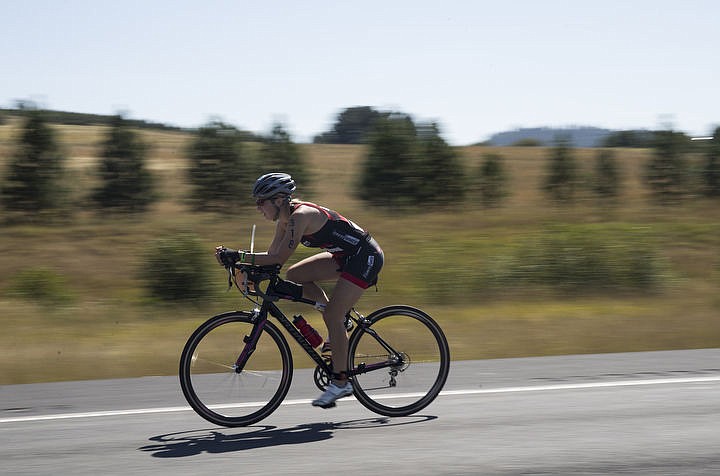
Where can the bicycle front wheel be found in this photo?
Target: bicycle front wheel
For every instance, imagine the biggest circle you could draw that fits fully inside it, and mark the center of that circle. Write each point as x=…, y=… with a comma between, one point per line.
x=401, y=361
x=214, y=386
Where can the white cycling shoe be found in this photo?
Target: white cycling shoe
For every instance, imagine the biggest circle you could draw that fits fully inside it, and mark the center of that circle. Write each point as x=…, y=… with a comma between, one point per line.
x=331, y=394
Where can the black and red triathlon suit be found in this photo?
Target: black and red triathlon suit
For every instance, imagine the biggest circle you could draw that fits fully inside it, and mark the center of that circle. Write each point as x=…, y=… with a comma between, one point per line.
x=358, y=255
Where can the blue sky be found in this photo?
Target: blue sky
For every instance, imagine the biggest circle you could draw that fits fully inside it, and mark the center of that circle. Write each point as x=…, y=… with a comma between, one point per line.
x=475, y=67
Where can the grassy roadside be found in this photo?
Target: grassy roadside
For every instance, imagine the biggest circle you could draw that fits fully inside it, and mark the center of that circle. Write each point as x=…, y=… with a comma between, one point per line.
x=107, y=328
x=112, y=340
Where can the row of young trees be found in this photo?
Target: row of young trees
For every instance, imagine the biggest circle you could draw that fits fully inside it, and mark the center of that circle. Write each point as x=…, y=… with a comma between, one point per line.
x=677, y=170
x=35, y=182
x=406, y=164
x=412, y=164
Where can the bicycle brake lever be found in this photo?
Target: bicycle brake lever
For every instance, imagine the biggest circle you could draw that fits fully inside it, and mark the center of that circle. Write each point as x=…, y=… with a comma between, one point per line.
x=230, y=279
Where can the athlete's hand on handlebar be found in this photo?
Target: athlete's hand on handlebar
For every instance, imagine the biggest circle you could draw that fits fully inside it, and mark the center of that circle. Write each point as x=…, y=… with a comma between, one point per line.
x=226, y=257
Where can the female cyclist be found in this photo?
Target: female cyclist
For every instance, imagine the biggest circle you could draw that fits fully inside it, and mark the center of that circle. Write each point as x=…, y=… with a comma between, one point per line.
x=351, y=257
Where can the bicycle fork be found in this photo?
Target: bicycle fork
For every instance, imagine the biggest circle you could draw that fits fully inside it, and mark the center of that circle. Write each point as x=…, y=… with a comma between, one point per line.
x=250, y=342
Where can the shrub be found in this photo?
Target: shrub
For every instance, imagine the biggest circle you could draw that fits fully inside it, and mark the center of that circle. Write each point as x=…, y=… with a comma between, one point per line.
x=568, y=259
x=589, y=259
x=40, y=284
x=176, y=268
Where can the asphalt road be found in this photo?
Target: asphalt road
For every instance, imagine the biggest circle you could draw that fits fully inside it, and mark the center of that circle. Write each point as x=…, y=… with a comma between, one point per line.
x=636, y=413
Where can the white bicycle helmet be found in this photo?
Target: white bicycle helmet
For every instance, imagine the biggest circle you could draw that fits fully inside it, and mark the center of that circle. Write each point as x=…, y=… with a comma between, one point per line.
x=272, y=184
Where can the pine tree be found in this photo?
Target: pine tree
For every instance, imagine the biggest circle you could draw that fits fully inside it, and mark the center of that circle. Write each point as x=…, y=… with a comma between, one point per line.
x=492, y=180
x=125, y=183
x=408, y=165
x=607, y=175
x=33, y=181
x=387, y=177
x=439, y=174
x=711, y=169
x=667, y=171
x=561, y=179
x=219, y=167
x=280, y=154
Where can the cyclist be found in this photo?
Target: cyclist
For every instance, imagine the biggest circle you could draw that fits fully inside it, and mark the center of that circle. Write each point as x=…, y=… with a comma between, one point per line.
x=351, y=257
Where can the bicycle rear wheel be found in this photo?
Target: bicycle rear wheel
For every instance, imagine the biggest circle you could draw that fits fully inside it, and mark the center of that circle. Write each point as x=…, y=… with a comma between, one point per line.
x=408, y=378
x=210, y=382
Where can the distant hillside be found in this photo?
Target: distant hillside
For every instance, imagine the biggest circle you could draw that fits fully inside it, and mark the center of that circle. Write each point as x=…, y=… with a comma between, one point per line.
x=578, y=136
x=83, y=119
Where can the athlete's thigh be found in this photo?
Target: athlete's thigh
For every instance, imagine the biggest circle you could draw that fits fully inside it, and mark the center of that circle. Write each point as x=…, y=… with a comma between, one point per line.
x=319, y=267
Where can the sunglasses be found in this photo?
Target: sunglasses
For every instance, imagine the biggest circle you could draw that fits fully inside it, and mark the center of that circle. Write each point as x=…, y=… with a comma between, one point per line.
x=261, y=201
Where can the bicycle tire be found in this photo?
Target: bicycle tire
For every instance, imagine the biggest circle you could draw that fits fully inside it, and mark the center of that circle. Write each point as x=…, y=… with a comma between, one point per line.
x=210, y=383
x=423, y=372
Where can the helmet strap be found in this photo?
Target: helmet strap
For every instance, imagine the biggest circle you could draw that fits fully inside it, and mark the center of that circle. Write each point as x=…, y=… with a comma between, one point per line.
x=286, y=201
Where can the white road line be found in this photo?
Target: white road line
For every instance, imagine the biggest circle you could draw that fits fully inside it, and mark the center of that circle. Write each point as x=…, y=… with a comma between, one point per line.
x=571, y=386
x=530, y=388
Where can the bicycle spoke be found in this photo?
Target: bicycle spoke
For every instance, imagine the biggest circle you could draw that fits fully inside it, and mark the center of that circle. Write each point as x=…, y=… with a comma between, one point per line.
x=195, y=359
x=209, y=378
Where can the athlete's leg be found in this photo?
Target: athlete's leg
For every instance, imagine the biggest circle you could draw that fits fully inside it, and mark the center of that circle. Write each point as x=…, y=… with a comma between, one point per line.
x=319, y=267
x=344, y=297
x=323, y=267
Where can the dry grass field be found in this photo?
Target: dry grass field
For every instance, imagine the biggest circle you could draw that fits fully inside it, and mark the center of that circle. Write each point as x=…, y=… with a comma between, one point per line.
x=107, y=328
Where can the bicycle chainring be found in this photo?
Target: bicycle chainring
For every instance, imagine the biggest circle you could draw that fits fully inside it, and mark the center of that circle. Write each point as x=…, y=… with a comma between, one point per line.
x=321, y=378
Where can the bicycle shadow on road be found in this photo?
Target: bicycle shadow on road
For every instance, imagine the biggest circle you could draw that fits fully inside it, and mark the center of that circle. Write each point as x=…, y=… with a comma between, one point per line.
x=191, y=443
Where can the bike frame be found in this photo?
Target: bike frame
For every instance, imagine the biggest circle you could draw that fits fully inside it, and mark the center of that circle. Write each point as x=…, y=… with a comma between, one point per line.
x=269, y=308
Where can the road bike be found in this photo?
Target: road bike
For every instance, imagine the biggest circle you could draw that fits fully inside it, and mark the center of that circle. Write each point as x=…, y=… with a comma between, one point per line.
x=237, y=367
